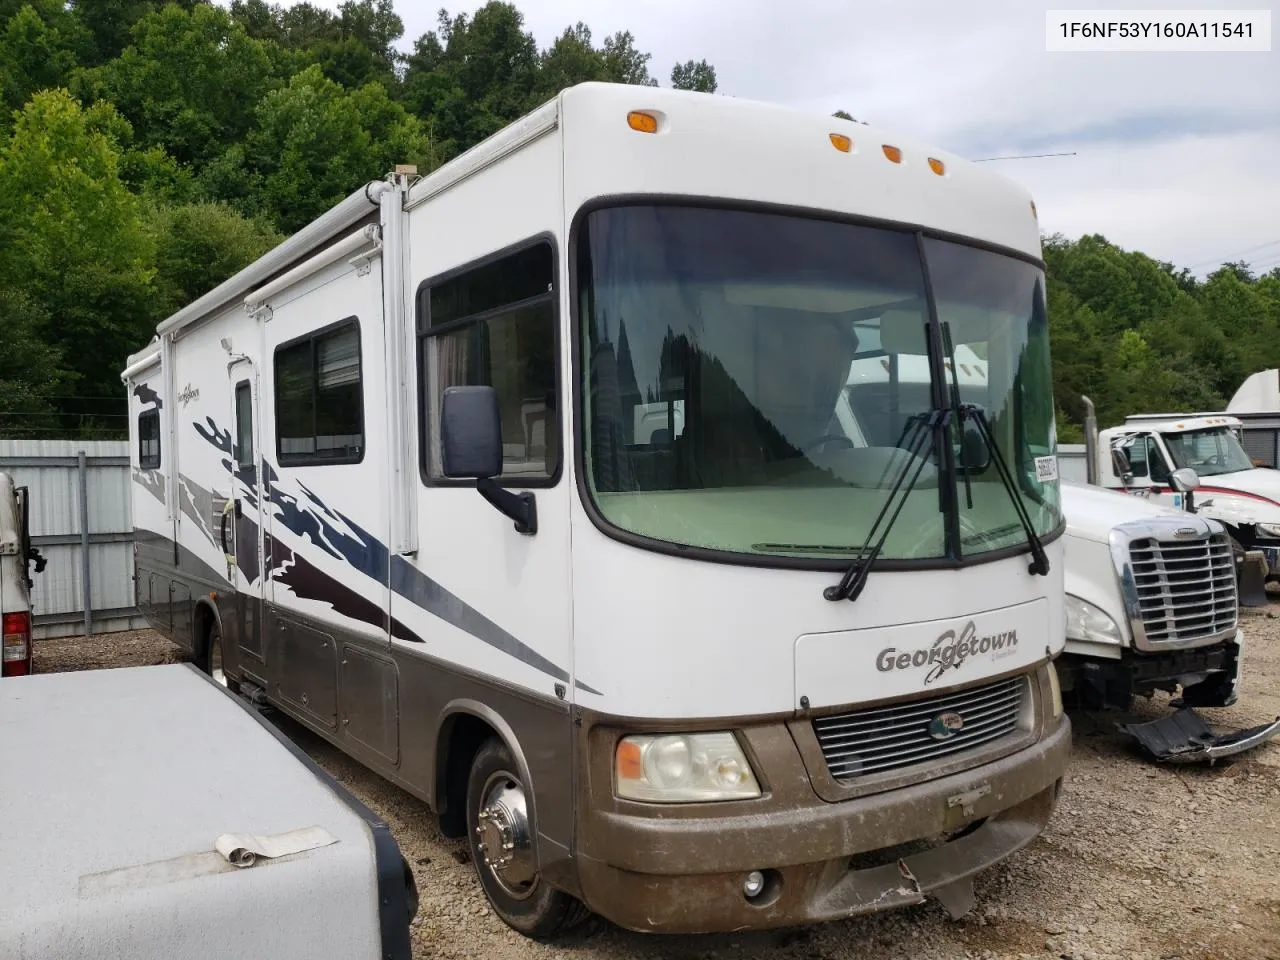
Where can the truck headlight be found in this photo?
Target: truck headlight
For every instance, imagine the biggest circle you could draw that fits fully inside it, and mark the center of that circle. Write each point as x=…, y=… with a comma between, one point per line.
x=1269, y=530
x=1087, y=622
x=683, y=768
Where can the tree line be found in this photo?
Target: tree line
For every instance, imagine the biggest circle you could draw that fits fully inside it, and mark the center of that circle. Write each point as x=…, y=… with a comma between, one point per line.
x=149, y=150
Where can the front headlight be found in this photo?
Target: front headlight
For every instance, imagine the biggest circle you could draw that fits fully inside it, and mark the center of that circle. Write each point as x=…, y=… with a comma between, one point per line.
x=1269, y=530
x=1087, y=622
x=683, y=768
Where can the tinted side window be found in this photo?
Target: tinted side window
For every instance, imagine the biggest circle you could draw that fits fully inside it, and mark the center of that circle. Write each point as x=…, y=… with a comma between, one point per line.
x=149, y=439
x=319, y=405
x=495, y=325
x=244, y=425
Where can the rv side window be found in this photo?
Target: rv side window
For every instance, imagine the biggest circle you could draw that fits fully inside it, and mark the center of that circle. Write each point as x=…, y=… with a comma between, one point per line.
x=319, y=405
x=244, y=425
x=494, y=324
x=149, y=439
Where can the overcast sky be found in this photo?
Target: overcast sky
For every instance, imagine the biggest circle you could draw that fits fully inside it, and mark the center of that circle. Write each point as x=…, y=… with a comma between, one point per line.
x=1177, y=154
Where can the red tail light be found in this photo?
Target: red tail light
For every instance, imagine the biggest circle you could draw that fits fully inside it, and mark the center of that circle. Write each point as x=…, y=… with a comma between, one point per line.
x=15, y=648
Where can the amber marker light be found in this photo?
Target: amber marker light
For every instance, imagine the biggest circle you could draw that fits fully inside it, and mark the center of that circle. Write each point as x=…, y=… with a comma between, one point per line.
x=841, y=142
x=644, y=122
x=893, y=153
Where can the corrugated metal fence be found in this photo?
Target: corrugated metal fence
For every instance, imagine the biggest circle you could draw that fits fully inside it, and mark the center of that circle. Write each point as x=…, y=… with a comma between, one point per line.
x=81, y=523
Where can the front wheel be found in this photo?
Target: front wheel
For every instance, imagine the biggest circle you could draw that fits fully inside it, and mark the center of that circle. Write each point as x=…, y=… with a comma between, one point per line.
x=501, y=835
x=213, y=657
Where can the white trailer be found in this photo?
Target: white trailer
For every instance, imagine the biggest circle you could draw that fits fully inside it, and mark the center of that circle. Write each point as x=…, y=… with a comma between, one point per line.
x=732, y=672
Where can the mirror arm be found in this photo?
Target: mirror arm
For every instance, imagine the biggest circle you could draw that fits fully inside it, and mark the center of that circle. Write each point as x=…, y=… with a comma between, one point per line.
x=520, y=507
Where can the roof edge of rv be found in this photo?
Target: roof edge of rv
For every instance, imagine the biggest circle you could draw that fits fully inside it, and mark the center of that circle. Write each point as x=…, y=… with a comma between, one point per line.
x=336, y=219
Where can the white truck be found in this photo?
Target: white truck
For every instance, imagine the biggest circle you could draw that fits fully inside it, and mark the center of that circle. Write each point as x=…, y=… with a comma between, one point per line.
x=1196, y=462
x=713, y=678
x=17, y=557
x=1151, y=602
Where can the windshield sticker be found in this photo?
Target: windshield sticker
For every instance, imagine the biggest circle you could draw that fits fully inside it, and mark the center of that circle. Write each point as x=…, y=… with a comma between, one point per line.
x=1046, y=469
x=948, y=652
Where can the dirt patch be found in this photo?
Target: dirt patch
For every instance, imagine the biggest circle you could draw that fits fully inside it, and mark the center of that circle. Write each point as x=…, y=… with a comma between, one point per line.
x=1140, y=862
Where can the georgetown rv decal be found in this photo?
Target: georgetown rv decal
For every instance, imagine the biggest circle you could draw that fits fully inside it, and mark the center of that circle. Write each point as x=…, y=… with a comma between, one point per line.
x=947, y=652
x=188, y=394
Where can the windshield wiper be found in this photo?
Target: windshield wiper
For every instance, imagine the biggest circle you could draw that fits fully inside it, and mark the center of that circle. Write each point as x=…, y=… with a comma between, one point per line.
x=1040, y=559
x=957, y=409
x=922, y=427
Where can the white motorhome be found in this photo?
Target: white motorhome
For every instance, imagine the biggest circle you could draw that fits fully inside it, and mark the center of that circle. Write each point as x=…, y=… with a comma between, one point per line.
x=389, y=478
x=1155, y=448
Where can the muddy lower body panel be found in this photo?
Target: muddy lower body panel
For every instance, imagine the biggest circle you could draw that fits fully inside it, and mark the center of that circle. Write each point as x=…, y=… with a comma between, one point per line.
x=820, y=860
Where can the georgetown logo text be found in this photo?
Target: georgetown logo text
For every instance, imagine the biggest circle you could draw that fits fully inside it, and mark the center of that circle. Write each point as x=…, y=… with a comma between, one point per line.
x=946, y=653
x=187, y=395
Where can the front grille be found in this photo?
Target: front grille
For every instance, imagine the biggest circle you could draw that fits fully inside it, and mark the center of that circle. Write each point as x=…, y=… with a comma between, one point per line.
x=1186, y=590
x=869, y=741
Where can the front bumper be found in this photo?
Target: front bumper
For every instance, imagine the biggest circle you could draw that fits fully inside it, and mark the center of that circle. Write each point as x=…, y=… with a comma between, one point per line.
x=682, y=871
x=1208, y=675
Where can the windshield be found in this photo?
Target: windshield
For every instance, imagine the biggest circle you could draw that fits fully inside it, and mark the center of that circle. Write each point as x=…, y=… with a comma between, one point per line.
x=750, y=379
x=1207, y=452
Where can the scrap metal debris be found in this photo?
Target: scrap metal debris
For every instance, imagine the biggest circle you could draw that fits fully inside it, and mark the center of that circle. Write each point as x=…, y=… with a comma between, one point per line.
x=1184, y=737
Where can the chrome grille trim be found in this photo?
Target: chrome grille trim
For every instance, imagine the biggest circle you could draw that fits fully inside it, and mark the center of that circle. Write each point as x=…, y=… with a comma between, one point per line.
x=1178, y=578
x=895, y=737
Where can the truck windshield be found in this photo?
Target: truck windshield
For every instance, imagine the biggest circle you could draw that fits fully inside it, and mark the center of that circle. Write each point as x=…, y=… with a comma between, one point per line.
x=748, y=380
x=1207, y=452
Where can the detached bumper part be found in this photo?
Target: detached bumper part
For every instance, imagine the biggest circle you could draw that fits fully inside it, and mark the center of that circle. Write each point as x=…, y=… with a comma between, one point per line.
x=1253, y=573
x=1184, y=737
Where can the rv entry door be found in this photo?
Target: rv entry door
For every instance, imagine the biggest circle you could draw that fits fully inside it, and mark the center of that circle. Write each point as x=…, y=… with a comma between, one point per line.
x=242, y=530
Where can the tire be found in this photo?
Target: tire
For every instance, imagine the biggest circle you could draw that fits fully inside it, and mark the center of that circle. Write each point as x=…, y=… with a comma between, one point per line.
x=213, y=659
x=516, y=893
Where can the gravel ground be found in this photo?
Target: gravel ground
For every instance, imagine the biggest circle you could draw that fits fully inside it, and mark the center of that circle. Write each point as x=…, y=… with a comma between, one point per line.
x=1140, y=862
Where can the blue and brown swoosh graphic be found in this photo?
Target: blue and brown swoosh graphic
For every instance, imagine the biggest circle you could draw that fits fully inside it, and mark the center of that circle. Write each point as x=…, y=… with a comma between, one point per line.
x=310, y=519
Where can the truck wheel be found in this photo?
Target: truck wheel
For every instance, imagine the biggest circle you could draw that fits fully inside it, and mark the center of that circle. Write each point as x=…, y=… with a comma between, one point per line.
x=501, y=837
x=213, y=659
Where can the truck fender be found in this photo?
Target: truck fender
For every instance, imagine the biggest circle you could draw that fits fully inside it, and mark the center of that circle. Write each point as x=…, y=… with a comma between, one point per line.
x=474, y=708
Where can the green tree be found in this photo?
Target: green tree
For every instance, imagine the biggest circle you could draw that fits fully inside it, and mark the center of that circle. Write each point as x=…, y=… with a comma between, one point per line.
x=31, y=370
x=473, y=75
x=314, y=143
x=700, y=76
x=72, y=240
x=110, y=22
x=198, y=245
x=40, y=45
x=189, y=82
x=623, y=63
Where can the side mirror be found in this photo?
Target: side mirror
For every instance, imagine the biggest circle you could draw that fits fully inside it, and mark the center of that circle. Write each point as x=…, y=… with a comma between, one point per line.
x=1121, y=464
x=471, y=448
x=471, y=433
x=974, y=454
x=1184, y=480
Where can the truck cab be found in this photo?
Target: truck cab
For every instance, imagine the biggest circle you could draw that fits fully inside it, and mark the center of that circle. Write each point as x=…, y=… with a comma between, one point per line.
x=1144, y=456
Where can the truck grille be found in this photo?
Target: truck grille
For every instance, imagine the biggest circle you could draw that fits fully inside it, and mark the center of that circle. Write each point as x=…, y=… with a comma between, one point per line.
x=1186, y=590
x=889, y=738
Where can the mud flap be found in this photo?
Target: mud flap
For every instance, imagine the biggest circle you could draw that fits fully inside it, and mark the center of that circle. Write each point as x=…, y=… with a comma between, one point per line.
x=1184, y=737
x=1252, y=579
